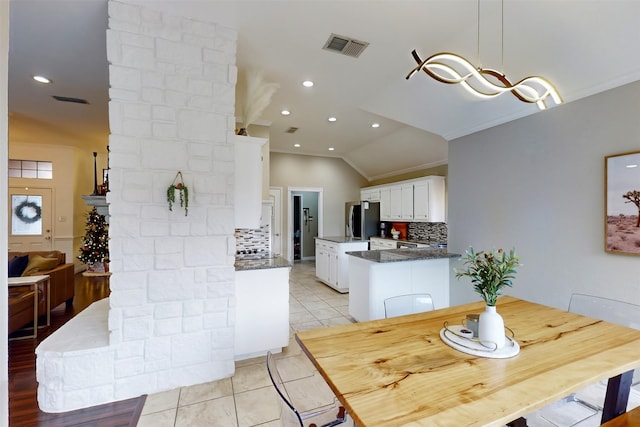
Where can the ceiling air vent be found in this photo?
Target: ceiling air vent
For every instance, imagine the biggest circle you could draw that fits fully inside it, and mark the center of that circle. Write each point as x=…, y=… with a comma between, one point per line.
x=345, y=45
x=69, y=99
x=291, y=130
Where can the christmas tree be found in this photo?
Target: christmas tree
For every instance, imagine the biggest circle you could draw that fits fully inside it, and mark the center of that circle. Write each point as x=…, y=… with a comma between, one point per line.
x=95, y=243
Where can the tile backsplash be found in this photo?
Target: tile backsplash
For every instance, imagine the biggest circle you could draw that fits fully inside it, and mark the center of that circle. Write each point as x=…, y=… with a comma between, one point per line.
x=249, y=239
x=427, y=231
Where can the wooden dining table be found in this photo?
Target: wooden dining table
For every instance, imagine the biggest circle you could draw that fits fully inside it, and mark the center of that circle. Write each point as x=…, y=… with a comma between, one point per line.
x=399, y=371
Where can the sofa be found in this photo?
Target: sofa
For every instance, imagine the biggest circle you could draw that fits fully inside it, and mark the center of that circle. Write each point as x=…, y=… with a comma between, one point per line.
x=35, y=263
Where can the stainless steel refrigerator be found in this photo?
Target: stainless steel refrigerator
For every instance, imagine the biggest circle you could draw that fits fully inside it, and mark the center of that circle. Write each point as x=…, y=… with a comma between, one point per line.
x=362, y=219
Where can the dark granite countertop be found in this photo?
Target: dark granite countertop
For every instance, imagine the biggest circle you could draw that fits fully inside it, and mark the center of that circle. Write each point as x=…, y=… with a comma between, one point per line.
x=432, y=243
x=342, y=239
x=399, y=255
x=261, y=264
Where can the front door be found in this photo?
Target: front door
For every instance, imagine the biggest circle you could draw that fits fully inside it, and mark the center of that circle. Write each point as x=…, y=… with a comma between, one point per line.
x=30, y=219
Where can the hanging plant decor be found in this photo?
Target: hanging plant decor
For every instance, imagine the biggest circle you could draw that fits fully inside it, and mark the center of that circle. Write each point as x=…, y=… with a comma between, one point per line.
x=183, y=193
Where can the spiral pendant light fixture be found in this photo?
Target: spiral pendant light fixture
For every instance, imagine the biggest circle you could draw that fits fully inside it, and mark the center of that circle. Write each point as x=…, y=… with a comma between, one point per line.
x=450, y=68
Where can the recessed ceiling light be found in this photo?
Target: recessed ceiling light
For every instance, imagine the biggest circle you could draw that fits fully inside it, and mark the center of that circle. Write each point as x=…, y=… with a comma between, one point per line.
x=296, y=145
x=331, y=148
x=375, y=125
x=332, y=119
x=41, y=79
x=285, y=112
x=307, y=83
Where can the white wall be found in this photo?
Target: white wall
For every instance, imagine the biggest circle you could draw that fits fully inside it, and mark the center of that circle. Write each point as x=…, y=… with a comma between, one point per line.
x=538, y=184
x=4, y=130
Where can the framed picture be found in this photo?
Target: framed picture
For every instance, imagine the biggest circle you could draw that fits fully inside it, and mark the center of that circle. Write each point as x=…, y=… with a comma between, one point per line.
x=622, y=203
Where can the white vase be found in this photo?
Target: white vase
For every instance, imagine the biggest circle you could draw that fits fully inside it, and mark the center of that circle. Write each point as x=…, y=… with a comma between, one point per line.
x=491, y=328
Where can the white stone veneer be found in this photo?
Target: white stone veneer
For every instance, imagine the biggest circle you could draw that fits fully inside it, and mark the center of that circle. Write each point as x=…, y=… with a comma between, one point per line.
x=169, y=321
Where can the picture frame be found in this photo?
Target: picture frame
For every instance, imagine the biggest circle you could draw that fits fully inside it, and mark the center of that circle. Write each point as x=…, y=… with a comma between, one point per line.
x=622, y=203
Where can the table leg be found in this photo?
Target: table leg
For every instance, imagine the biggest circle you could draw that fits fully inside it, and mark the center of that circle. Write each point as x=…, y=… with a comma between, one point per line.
x=520, y=422
x=48, y=301
x=617, y=397
x=35, y=310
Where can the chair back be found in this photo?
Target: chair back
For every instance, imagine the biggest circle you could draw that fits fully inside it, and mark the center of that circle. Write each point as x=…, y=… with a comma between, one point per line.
x=289, y=416
x=613, y=311
x=407, y=304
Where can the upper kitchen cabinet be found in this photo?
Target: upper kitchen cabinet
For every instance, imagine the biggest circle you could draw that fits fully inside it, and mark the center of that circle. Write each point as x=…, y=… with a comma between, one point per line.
x=415, y=200
x=385, y=203
x=370, y=195
x=428, y=199
x=248, y=181
x=400, y=203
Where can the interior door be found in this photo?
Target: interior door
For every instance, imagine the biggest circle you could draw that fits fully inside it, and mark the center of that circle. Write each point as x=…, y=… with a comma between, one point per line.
x=275, y=195
x=30, y=219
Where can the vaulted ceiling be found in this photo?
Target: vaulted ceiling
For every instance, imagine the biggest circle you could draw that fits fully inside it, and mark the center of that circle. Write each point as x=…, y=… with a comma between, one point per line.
x=582, y=46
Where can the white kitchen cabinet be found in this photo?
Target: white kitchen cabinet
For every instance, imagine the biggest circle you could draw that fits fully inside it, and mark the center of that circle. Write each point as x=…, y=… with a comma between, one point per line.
x=248, y=181
x=332, y=263
x=415, y=200
x=322, y=261
x=421, y=200
x=385, y=204
x=400, y=204
x=370, y=194
x=406, y=201
x=395, y=203
x=429, y=200
x=262, y=311
x=378, y=243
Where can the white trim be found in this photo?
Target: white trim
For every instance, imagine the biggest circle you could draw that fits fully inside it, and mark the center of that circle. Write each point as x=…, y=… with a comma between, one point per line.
x=290, y=191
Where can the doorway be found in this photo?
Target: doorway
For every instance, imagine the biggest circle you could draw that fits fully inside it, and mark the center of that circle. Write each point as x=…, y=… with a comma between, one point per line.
x=304, y=222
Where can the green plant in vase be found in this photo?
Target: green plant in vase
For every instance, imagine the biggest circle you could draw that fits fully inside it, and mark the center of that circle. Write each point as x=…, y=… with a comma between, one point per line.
x=490, y=272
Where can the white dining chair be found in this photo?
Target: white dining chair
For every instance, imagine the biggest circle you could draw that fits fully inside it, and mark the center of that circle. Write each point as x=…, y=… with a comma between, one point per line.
x=407, y=304
x=289, y=415
x=584, y=408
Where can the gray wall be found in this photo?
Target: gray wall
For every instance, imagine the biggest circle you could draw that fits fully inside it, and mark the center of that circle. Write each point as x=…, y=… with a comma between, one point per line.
x=339, y=181
x=538, y=184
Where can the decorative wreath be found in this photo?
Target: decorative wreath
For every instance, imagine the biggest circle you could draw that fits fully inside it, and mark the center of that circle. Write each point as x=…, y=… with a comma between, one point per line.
x=19, y=211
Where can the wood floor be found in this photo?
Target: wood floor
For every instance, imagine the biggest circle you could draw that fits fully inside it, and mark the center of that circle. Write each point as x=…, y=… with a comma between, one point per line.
x=23, y=406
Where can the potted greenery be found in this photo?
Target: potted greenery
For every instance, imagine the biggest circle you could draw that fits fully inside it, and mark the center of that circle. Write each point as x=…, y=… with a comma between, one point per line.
x=183, y=193
x=490, y=272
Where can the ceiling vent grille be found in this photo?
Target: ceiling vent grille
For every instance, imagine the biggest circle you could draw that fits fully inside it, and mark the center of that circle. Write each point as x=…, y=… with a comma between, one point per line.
x=291, y=130
x=70, y=99
x=345, y=45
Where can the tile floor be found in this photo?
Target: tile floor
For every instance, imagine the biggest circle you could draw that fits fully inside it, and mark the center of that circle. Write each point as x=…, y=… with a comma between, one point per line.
x=248, y=398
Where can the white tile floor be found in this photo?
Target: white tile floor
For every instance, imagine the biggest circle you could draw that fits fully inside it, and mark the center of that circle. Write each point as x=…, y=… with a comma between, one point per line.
x=248, y=398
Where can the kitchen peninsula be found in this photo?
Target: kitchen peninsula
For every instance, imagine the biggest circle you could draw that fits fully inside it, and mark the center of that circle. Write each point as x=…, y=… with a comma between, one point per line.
x=377, y=275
